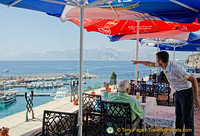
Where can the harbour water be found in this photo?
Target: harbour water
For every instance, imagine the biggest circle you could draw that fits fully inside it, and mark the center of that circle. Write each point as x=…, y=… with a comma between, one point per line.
x=123, y=69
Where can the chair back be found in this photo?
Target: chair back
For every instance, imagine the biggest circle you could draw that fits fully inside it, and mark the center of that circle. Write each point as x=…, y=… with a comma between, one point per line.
x=141, y=86
x=59, y=124
x=132, y=88
x=92, y=103
x=118, y=109
x=104, y=125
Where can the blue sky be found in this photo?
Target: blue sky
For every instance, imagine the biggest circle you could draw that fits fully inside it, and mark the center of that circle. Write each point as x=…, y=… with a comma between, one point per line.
x=32, y=35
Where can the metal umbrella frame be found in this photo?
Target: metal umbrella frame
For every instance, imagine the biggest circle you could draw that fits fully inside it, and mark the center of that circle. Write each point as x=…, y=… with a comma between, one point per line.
x=168, y=42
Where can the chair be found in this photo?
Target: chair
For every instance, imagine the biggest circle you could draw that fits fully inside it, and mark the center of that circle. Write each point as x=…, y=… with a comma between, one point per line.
x=132, y=85
x=59, y=124
x=120, y=109
x=105, y=125
x=161, y=91
x=142, y=87
x=91, y=103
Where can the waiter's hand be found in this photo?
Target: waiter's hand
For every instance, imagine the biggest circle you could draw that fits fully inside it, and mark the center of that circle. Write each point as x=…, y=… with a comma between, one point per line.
x=197, y=102
x=134, y=61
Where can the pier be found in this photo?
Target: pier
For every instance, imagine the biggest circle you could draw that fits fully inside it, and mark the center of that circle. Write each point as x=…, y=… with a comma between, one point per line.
x=46, y=77
x=35, y=94
x=41, y=81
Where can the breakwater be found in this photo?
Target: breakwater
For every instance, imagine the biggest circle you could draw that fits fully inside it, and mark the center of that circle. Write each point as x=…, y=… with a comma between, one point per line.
x=41, y=80
x=48, y=76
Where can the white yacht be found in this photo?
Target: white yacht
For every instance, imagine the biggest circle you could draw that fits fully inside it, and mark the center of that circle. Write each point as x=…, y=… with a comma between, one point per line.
x=61, y=93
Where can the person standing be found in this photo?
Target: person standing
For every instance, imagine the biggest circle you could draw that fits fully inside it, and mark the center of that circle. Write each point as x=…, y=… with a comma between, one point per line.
x=186, y=87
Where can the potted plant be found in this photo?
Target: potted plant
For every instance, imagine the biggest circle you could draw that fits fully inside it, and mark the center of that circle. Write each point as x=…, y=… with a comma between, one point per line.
x=75, y=101
x=4, y=131
x=93, y=93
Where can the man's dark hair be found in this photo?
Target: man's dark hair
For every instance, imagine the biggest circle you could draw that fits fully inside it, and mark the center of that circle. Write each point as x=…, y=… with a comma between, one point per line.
x=163, y=55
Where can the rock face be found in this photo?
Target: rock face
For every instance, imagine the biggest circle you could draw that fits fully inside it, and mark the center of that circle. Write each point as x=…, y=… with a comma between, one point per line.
x=193, y=61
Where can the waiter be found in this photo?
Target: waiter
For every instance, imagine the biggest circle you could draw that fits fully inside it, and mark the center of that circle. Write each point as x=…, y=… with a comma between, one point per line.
x=186, y=87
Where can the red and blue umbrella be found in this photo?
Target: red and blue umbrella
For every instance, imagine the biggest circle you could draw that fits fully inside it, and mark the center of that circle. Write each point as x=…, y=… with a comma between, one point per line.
x=192, y=44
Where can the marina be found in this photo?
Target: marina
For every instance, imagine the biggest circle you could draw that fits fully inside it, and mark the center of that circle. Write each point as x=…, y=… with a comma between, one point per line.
x=41, y=81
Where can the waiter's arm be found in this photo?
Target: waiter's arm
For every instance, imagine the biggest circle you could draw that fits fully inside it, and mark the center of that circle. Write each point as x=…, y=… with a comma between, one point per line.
x=146, y=63
x=195, y=89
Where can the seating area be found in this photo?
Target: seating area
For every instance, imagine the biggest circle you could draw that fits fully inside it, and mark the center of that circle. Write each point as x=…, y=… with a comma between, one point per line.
x=101, y=124
x=103, y=118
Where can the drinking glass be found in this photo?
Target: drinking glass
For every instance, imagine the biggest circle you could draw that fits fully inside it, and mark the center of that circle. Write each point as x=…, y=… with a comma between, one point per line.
x=137, y=95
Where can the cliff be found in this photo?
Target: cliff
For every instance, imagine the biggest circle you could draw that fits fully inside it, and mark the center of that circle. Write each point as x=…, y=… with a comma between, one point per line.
x=193, y=61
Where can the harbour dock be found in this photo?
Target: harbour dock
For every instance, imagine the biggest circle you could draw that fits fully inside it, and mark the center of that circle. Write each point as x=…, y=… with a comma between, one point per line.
x=35, y=94
x=41, y=81
x=47, y=77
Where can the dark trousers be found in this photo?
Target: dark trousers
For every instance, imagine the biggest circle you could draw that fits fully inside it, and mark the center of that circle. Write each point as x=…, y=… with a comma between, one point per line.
x=185, y=112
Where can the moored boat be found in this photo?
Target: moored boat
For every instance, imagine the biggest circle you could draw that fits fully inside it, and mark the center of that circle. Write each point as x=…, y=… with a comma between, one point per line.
x=7, y=97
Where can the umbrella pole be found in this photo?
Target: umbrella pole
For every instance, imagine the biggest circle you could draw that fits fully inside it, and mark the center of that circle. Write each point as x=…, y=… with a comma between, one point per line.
x=174, y=54
x=81, y=70
x=137, y=45
x=157, y=51
x=193, y=61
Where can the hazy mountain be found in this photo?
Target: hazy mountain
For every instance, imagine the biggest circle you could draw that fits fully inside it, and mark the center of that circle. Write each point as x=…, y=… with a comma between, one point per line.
x=109, y=53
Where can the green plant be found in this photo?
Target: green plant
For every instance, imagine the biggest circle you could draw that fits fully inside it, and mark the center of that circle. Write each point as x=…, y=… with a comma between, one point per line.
x=113, y=78
x=89, y=88
x=4, y=129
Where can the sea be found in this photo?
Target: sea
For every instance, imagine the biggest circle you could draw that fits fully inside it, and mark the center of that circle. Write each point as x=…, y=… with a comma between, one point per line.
x=123, y=69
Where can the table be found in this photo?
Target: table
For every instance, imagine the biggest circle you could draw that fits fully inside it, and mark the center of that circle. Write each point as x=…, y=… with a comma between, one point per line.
x=162, y=116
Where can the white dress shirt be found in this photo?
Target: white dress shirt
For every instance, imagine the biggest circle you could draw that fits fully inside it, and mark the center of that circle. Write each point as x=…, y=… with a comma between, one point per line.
x=177, y=76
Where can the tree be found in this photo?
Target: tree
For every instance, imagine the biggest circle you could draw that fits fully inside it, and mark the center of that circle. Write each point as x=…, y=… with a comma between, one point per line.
x=113, y=78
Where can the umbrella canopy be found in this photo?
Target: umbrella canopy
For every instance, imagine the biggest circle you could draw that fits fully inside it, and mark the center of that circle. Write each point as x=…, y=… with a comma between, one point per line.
x=122, y=27
x=180, y=10
x=173, y=34
x=167, y=10
x=186, y=47
x=191, y=44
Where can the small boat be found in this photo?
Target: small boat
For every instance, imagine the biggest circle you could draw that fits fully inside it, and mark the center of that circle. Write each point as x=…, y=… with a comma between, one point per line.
x=61, y=93
x=67, y=77
x=6, y=98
